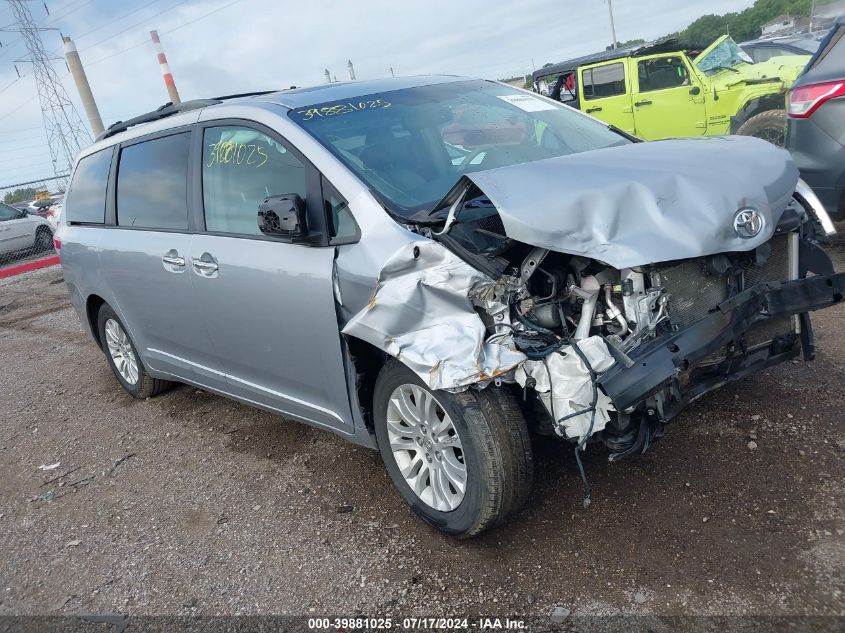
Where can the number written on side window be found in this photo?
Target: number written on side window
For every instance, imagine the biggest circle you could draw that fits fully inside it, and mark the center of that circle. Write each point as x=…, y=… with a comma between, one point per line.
x=242, y=167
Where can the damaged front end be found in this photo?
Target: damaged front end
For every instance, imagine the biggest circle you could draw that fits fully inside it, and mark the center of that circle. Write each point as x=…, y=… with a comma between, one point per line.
x=612, y=298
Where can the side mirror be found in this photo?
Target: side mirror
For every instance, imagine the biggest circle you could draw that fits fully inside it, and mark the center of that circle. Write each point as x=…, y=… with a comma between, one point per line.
x=283, y=216
x=23, y=213
x=695, y=90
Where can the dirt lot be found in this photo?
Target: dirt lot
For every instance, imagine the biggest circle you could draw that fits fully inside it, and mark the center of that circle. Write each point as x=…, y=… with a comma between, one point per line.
x=191, y=504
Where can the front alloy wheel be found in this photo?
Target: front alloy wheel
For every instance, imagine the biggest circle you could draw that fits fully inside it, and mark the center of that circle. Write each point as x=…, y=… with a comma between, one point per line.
x=426, y=447
x=462, y=461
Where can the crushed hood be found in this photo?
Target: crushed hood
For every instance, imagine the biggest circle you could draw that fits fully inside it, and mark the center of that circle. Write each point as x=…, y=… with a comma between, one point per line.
x=643, y=203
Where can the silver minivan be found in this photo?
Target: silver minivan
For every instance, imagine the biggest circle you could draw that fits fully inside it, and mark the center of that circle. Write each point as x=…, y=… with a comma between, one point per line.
x=441, y=268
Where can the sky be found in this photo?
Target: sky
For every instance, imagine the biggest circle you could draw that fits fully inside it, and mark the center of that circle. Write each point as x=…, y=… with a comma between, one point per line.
x=228, y=46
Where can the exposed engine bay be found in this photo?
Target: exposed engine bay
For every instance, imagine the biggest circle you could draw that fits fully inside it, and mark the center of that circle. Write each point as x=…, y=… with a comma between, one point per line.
x=574, y=318
x=614, y=307
x=556, y=323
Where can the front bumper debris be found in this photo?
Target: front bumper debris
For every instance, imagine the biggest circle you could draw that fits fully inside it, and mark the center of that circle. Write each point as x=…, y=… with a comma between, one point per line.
x=658, y=364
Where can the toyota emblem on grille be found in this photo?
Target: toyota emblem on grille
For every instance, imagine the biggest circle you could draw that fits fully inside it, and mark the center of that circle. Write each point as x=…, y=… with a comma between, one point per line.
x=748, y=223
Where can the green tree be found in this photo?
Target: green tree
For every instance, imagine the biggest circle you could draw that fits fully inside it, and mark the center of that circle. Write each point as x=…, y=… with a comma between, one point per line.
x=19, y=195
x=626, y=43
x=745, y=25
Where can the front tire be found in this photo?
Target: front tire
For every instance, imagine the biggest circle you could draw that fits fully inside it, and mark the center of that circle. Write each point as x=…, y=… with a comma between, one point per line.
x=123, y=357
x=769, y=126
x=462, y=461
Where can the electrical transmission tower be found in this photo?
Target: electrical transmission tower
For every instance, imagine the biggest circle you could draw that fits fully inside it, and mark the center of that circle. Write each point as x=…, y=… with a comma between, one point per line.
x=66, y=133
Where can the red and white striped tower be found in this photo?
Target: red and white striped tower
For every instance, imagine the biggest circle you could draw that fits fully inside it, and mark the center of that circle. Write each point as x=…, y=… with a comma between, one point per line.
x=165, y=70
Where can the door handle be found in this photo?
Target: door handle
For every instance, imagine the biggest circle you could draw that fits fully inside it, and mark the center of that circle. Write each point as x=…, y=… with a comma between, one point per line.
x=596, y=109
x=203, y=266
x=173, y=261
x=642, y=103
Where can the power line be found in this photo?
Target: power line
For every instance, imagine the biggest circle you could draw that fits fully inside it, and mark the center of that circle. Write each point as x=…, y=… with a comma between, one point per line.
x=132, y=26
x=51, y=19
x=133, y=46
x=12, y=111
x=117, y=19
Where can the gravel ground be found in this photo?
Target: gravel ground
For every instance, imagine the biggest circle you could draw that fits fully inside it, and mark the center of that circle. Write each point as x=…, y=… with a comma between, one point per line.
x=191, y=504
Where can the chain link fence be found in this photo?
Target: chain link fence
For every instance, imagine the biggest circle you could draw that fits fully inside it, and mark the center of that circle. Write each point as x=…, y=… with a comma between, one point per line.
x=28, y=219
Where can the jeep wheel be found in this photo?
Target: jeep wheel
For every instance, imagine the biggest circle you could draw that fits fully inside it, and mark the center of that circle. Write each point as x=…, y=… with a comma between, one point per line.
x=462, y=461
x=769, y=126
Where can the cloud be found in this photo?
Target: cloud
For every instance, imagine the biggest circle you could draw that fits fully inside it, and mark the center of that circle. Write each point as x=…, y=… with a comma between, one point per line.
x=266, y=44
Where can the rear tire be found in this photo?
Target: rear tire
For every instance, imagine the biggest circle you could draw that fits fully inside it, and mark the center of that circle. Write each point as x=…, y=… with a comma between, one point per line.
x=495, y=451
x=123, y=358
x=769, y=126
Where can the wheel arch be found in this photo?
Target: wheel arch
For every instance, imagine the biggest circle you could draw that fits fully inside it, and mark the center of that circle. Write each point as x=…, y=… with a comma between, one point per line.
x=755, y=106
x=92, y=309
x=367, y=361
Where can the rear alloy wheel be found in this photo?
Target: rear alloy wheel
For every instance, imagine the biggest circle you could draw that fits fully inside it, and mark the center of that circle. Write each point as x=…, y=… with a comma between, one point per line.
x=462, y=461
x=769, y=126
x=123, y=358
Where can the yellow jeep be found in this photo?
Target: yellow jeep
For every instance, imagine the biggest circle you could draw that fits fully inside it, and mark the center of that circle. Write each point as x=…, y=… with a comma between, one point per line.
x=657, y=90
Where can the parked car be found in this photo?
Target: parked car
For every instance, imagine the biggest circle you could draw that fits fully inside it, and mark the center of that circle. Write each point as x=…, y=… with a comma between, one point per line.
x=816, y=129
x=331, y=255
x=54, y=212
x=657, y=90
x=19, y=230
x=764, y=49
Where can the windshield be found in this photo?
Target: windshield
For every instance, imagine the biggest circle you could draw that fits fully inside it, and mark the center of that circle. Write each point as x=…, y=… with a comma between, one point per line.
x=810, y=46
x=725, y=55
x=411, y=145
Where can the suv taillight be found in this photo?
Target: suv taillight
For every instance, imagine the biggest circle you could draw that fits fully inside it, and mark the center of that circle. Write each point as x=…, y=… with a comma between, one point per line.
x=803, y=101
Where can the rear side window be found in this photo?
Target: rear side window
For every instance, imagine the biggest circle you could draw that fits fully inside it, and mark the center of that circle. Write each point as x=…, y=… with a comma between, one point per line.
x=152, y=183
x=86, y=198
x=604, y=81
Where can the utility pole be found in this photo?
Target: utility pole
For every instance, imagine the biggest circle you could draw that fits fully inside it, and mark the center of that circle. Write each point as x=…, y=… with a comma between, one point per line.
x=165, y=70
x=66, y=133
x=812, y=14
x=612, y=26
x=81, y=80
x=351, y=70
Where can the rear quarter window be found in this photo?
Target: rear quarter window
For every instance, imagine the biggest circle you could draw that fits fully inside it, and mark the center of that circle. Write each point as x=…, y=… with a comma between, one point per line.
x=86, y=198
x=152, y=183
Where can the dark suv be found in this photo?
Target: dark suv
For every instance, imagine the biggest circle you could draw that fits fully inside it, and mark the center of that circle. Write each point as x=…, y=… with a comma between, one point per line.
x=816, y=128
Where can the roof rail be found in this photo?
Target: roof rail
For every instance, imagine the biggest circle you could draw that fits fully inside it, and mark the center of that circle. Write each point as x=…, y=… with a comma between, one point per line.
x=169, y=109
